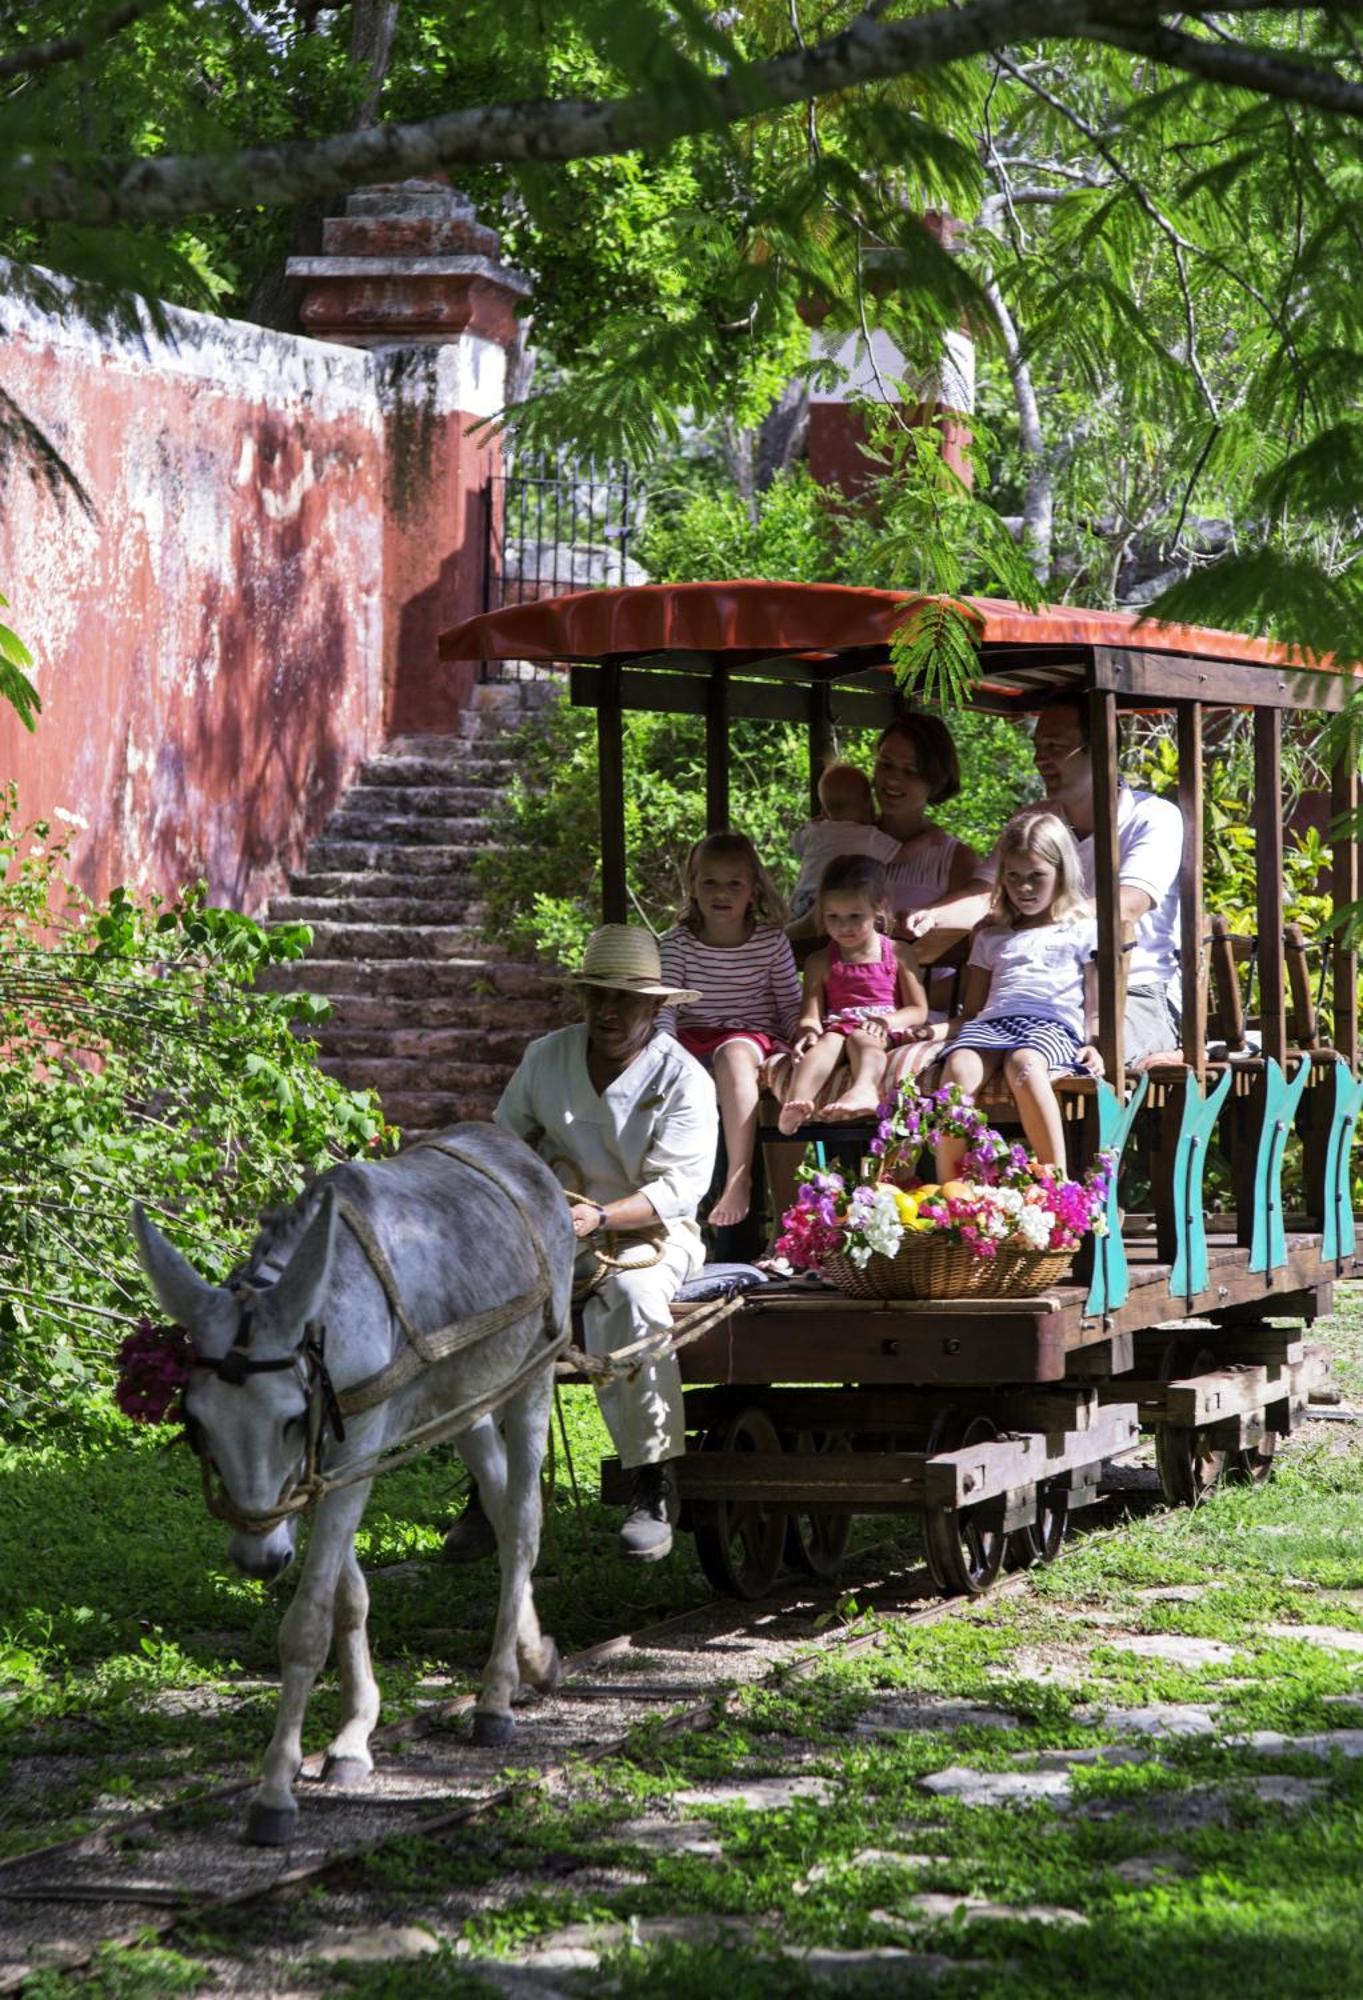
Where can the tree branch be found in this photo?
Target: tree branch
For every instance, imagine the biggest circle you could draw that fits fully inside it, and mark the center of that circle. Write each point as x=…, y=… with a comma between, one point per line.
x=1264, y=72
x=165, y=187
x=70, y=48
x=1038, y=507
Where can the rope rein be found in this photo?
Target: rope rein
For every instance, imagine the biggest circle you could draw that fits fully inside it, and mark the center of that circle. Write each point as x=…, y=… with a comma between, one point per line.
x=651, y=1237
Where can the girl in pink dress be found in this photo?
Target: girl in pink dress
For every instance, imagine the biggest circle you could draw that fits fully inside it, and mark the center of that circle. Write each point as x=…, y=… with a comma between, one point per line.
x=861, y=996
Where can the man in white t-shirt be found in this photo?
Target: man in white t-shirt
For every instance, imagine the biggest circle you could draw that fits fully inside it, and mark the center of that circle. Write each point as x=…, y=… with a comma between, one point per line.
x=1149, y=851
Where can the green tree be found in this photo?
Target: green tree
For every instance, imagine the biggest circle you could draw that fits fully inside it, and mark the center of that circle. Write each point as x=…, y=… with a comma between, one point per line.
x=1158, y=244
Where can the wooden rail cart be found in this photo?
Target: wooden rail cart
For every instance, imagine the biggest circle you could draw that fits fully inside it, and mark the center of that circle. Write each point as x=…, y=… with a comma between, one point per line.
x=994, y=1417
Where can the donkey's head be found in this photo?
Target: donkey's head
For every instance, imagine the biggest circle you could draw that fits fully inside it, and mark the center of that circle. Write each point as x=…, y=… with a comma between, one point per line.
x=255, y=1402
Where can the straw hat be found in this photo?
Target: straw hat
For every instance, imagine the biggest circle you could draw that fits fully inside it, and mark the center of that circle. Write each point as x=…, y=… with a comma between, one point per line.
x=626, y=959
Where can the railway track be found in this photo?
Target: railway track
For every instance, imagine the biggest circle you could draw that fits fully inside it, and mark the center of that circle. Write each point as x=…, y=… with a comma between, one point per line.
x=155, y=1871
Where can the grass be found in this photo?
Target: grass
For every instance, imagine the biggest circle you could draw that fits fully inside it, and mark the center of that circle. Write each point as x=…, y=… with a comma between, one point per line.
x=1243, y=1895
x=131, y=1648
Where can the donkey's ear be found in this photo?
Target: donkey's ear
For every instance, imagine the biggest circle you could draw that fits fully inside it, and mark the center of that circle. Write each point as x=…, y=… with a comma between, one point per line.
x=297, y=1295
x=183, y=1294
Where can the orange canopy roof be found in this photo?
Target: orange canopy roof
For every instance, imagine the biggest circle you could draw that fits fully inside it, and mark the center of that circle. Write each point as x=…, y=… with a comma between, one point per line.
x=749, y=621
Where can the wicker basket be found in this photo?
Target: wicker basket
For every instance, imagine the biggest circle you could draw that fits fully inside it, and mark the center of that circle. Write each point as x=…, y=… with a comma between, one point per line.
x=926, y=1269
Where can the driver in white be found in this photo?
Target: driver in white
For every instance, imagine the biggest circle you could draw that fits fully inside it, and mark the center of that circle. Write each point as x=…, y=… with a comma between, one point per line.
x=626, y=1119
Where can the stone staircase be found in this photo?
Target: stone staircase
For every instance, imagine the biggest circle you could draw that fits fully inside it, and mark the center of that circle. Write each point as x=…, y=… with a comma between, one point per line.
x=423, y=1010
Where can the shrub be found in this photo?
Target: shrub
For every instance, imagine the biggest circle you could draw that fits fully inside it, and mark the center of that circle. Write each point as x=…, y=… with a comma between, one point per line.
x=141, y=1062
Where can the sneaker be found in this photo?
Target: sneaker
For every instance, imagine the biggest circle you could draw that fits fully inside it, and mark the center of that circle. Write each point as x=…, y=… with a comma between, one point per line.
x=646, y=1533
x=471, y=1538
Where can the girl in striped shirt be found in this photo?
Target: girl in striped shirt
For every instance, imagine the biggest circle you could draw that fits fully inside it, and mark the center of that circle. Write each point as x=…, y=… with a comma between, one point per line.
x=731, y=948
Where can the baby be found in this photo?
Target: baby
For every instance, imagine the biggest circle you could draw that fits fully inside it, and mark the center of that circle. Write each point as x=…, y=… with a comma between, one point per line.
x=847, y=827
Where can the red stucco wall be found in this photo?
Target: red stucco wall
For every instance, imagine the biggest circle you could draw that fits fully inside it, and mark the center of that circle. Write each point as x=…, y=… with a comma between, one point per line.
x=210, y=637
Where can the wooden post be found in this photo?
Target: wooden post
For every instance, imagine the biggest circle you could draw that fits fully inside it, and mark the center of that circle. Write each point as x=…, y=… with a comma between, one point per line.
x=717, y=749
x=1267, y=821
x=1102, y=708
x=1345, y=887
x=1192, y=916
x=820, y=740
x=610, y=763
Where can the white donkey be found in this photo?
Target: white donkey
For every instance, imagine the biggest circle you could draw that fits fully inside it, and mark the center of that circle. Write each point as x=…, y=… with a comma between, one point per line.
x=398, y=1302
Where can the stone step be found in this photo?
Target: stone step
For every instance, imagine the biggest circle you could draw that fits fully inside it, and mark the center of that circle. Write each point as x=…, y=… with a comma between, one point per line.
x=422, y=1042
x=340, y=884
x=468, y=768
x=417, y=1111
x=413, y=979
x=387, y=1074
x=379, y=829
x=438, y=801
x=527, y=1015
x=418, y=941
x=329, y=855
x=392, y=909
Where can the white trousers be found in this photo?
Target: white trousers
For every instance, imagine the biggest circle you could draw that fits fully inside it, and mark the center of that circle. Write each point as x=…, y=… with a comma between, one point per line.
x=643, y=1411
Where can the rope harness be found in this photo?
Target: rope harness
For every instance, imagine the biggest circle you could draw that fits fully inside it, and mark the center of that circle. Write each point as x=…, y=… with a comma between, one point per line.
x=327, y=1408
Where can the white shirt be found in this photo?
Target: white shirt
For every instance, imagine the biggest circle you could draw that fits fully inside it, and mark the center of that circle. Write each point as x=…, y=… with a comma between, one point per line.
x=653, y=1131
x=1149, y=850
x=1037, y=971
x=820, y=841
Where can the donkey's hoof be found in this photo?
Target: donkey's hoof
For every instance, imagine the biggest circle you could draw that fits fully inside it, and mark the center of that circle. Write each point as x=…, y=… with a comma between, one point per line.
x=491, y=1731
x=270, y=1826
x=347, y=1774
x=550, y=1676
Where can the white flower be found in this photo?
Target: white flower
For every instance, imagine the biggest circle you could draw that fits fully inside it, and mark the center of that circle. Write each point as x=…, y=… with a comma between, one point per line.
x=878, y=1221
x=1008, y=1199
x=1034, y=1227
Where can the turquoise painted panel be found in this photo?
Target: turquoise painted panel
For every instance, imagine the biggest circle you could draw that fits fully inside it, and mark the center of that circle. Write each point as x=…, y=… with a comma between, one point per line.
x=1337, y=1233
x=1268, y=1242
x=1189, y=1272
x=1111, y=1279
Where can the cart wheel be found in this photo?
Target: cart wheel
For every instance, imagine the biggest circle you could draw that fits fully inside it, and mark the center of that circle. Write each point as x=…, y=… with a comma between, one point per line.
x=739, y=1543
x=1042, y=1541
x=816, y=1541
x=1189, y=1465
x=1254, y=1465
x=963, y=1554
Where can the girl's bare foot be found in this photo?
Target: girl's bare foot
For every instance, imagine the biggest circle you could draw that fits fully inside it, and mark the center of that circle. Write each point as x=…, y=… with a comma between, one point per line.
x=793, y=1114
x=856, y=1104
x=734, y=1201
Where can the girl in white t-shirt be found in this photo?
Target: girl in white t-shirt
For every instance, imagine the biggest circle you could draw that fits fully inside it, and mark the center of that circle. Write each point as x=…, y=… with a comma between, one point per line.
x=1030, y=991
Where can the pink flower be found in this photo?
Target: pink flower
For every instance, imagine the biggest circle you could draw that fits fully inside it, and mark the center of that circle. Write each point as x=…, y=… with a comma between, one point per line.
x=153, y=1368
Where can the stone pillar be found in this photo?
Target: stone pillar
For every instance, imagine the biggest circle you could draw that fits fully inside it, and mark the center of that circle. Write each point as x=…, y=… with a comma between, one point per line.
x=873, y=371
x=410, y=273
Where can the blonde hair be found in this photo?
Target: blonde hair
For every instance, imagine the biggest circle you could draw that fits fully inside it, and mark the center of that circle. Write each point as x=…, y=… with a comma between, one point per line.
x=768, y=907
x=846, y=782
x=1042, y=833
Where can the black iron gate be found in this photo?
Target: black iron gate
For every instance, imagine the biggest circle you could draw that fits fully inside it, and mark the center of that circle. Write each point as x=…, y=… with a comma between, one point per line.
x=549, y=529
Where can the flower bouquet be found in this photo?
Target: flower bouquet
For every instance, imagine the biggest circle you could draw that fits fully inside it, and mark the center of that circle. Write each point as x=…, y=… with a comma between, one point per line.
x=1008, y=1227
x=153, y=1370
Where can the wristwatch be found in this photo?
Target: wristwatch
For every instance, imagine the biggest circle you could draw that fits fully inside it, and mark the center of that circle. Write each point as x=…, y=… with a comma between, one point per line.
x=601, y=1222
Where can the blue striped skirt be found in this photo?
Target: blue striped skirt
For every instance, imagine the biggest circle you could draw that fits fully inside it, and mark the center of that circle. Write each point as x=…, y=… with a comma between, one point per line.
x=1051, y=1039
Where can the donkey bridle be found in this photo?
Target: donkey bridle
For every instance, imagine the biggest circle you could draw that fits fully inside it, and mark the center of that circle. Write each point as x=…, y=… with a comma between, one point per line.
x=323, y=1409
